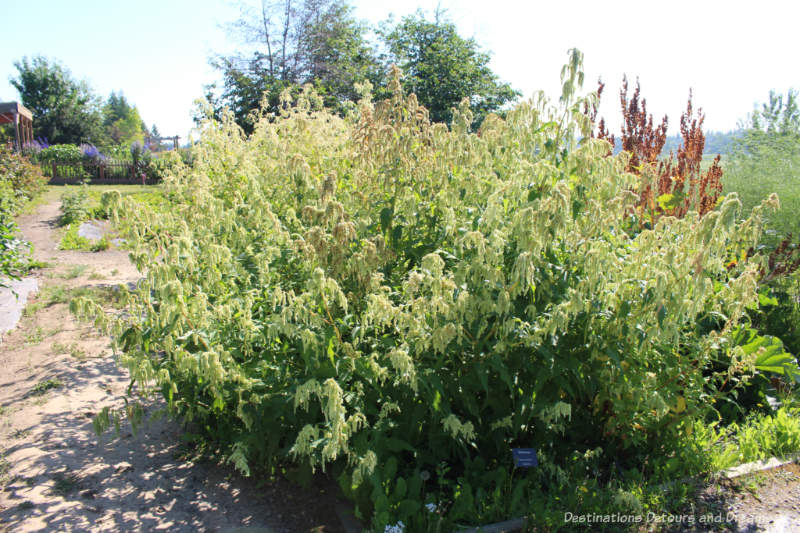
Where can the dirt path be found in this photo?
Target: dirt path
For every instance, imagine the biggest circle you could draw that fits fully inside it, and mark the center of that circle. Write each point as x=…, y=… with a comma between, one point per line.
x=56, y=475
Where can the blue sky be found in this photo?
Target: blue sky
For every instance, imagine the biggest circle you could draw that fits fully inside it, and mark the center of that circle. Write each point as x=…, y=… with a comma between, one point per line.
x=156, y=51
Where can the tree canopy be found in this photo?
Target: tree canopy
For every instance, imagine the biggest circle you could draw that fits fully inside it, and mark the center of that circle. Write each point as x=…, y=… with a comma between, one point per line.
x=768, y=148
x=442, y=68
x=65, y=109
x=122, y=121
x=772, y=132
x=777, y=116
x=294, y=42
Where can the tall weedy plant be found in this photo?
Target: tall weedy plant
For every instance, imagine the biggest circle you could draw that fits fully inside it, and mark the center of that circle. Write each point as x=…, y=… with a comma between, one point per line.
x=670, y=186
x=399, y=302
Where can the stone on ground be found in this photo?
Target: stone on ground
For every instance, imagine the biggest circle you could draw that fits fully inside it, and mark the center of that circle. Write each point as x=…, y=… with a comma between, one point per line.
x=12, y=301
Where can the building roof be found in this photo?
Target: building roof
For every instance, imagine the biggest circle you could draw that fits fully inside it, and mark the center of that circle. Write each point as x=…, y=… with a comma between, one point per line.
x=9, y=109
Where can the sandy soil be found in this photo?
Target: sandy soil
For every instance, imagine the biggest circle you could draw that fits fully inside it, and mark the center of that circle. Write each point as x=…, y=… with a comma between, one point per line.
x=763, y=501
x=57, y=475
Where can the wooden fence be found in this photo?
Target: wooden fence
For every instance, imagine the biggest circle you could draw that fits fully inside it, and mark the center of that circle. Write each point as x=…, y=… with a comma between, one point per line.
x=106, y=172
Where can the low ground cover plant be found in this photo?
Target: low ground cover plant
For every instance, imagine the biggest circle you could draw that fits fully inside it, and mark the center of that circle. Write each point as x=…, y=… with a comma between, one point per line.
x=86, y=202
x=75, y=205
x=400, y=303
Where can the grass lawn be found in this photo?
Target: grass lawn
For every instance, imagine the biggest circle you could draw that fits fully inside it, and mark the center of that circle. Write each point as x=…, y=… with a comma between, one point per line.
x=97, y=190
x=150, y=195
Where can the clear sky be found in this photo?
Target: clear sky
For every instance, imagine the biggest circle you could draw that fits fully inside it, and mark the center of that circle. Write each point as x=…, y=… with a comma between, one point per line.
x=731, y=53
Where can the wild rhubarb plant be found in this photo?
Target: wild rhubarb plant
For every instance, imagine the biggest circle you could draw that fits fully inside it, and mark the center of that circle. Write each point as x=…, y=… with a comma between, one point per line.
x=671, y=186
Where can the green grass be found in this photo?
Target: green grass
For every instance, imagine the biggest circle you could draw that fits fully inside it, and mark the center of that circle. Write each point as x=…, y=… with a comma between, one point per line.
x=34, y=336
x=73, y=349
x=34, y=264
x=32, y=308
x=38, y=334
x=5, y=471
x=151, y=196
x=705, y=450
x=75, y=271
x=64, y=483
x=100, y=189
x=31, y=205
x=55, y=294
x=105, y=295
x=46, y=385
x=72, y=241
x=760, y=437
x=59, y=348
x=101, y=245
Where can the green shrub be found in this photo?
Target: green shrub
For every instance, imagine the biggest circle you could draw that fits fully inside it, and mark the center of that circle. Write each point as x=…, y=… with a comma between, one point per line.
x=776, y=434
x=20, y=182
x=765, y=159
x=72, y=241
x=400, y=303
x=24, y=179
x=100, y=245
x=74, y=205
x=779, y=312
x=166, y=164
x=60, y=152
x=12, y=249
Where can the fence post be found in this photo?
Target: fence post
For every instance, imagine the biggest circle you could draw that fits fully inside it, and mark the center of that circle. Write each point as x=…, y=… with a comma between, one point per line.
x=54, y=169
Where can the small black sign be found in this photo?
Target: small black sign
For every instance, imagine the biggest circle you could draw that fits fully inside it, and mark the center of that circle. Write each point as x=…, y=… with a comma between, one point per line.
x=524, y=457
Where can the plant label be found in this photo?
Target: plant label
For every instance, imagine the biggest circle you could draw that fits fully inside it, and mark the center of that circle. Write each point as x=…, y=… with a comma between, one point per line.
x=524, y=457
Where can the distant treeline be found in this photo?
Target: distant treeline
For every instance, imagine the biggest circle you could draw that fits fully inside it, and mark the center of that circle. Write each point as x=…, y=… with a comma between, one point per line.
x=717, y=142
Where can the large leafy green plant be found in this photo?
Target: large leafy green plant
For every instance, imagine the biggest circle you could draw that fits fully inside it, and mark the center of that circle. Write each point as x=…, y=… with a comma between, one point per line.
x=20, y=181
x=24, y=179
x=61, y=153
x=386, y=298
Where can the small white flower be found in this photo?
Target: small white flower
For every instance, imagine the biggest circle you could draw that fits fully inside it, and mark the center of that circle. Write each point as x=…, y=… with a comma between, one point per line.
x=431, y=507
x=399, y=527
x=425, y=475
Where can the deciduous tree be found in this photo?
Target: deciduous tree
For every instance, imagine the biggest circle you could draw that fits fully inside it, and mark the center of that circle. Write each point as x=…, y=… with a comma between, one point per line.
x=442, y=68
x=294, y=42
x=65, y=110
x=122, y=121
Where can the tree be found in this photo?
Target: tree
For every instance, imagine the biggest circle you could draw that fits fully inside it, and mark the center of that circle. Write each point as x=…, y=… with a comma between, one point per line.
x=765, y=158
x=122, y=121
x=65, y=110
x=442, y=68
x=334, y=54
x=772, y=132
x=295, y=42
x=777, y=116
x=243, y=87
